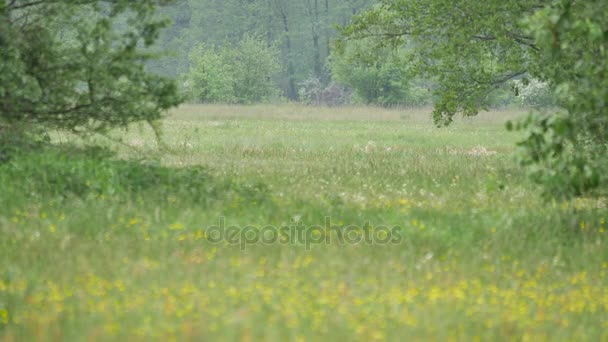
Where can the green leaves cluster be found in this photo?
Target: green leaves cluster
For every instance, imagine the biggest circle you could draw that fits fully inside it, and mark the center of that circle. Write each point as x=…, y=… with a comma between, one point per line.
x=377, y=75
x=568, y=151
x=470, y=49
x=240, y=73
x=79, y=64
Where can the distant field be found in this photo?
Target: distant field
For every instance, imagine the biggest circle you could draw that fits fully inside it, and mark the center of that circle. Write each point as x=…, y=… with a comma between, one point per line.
x=463, y=246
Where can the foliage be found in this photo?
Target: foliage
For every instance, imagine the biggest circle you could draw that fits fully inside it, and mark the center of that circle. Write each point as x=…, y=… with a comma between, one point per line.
x=18, y=138
x=243, y=73
x=210, y=78
x=302, y=31
x=534, y=93
x=568, y=151
x=468, y=48
x=471, y=49
x=79, y=65
x=378, y=75
x=66, y=172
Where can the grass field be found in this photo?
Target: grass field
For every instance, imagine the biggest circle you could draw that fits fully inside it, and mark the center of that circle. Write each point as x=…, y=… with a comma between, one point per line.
x=407, y=232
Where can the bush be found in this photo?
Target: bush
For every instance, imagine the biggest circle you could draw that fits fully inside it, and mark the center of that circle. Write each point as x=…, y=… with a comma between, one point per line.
x=244, y=73
x=376, y=75
x=68, y=172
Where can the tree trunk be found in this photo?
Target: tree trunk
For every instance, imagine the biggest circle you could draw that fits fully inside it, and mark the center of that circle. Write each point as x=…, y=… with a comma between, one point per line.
x=313, y=12
x=327, y=30
x=292, y=94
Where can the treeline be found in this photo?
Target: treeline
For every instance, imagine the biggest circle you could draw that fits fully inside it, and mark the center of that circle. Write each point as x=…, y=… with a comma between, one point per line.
x=247, y=51
x=300, y=31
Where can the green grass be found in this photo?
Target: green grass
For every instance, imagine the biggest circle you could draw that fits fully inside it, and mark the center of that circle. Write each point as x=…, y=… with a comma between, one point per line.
x=105, y=248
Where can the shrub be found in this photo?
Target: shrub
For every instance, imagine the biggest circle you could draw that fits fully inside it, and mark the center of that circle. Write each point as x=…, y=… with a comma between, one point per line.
x=376, y=75
x=243, y=73
x=68, y=172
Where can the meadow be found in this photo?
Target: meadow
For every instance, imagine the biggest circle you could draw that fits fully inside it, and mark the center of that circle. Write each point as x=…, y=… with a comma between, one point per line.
x=113, y=243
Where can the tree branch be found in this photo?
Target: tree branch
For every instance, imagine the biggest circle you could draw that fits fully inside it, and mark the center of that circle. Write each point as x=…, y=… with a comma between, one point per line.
x=508, y=77
x=13, y=5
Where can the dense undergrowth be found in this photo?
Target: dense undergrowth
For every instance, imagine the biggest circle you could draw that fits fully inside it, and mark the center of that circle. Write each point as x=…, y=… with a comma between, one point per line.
x=38, y=172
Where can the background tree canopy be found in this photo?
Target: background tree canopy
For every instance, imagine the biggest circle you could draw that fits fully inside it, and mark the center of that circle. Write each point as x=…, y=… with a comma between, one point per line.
x=243, y=73
x=79, y=64
x=304, y=33
x=377, y=74
x=470, y=49
x=301, y=31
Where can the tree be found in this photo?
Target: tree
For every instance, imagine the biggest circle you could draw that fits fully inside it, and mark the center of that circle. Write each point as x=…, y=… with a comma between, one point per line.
x=243, y=73
x=313, y=12
x=280, y=6
x=79, y=64
x=472, y=48
x=301, y=30
x=377, y=75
